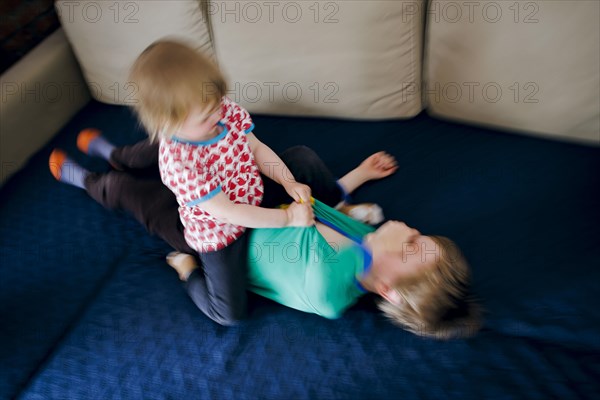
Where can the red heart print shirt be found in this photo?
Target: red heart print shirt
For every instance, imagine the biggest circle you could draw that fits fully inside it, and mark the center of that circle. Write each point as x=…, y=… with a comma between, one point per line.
x=197, y=171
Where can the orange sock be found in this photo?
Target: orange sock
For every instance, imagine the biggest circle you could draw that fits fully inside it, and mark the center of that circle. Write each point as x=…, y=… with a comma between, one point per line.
x=91, y=142
x=56, y=161
x=65, y=170
x=85, y=137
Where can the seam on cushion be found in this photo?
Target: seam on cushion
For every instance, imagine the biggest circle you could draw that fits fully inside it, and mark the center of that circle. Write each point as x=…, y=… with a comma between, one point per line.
x=425, y=55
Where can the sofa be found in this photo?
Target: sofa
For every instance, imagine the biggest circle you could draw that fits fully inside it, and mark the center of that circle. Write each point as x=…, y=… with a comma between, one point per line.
x=492, y=110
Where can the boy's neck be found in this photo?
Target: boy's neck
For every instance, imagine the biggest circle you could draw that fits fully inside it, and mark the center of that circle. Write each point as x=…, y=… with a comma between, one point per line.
x=367, y=282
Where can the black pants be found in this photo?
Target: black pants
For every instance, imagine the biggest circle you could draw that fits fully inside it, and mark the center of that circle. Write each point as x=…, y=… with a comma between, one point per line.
x=218, y=288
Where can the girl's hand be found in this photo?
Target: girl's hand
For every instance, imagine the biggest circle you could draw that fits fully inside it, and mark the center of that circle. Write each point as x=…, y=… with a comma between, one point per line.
x=378, y=165
x=298, y=191
x=300, y=214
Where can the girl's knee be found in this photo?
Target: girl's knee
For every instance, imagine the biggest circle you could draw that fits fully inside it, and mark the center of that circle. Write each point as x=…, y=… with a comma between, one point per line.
x=227, y=314
x=229, y=320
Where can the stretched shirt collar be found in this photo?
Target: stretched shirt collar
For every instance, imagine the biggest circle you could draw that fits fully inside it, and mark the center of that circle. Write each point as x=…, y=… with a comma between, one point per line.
x=368, y=263
x=204, y=142
x=367, y=254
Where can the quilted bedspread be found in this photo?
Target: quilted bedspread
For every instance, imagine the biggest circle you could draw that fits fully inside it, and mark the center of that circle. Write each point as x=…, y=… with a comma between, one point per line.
x=90, y=310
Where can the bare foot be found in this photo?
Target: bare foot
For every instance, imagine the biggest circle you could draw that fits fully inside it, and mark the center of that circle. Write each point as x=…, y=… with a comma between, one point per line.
x=183, y=263
x=369, y=213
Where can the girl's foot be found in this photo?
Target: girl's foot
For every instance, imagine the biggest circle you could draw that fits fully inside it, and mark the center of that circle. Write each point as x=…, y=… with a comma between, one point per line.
x=91, y=142
x=183, y=263
x=66, y=170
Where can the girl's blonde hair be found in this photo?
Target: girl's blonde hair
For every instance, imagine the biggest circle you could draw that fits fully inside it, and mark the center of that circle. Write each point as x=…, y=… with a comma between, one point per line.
x=172, y=78
x=436, y=303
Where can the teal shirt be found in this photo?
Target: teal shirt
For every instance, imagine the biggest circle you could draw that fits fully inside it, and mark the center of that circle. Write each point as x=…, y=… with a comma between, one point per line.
x=299, y=269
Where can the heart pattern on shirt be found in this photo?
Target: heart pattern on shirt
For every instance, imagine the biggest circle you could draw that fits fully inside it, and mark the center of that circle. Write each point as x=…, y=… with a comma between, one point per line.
x=194, y=171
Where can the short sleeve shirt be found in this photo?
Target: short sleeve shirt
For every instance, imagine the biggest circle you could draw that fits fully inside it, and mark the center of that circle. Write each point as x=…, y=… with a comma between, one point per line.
x=197, y=171
x=299, y=269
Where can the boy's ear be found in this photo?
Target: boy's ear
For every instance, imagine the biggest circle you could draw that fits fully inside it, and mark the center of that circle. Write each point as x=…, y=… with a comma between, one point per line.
x=390, y=294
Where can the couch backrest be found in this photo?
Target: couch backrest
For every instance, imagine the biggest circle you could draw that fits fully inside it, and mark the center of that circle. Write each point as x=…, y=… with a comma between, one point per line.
x=349, y=59
x=334, y=59
x=108, y=36
x=529, y=66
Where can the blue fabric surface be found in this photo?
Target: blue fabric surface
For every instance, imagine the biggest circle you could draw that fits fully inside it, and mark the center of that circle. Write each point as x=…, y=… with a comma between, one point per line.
x=89, y=309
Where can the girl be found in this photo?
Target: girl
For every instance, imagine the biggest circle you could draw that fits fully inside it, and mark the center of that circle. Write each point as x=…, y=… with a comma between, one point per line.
x=212, y=167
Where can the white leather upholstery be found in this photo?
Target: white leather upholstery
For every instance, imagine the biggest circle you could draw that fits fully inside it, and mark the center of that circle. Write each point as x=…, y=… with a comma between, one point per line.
x=107, y=37
x=349, y=59
x=528, y=66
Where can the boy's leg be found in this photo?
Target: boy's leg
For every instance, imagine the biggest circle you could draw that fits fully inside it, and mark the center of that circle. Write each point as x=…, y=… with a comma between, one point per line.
x=218, y=288
x=308, y=168
x=149, y=201
x=140, y=156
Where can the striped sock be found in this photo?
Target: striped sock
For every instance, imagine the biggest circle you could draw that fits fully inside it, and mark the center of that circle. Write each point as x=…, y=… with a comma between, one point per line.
x=66, y=170
x=91, y=142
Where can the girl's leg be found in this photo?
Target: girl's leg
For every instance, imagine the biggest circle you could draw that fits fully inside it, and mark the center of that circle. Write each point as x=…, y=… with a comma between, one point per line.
x=219, y=288
x=308, y=168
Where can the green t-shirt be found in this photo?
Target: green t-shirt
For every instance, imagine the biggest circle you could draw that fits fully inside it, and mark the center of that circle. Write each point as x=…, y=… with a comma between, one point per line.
x=299, y=269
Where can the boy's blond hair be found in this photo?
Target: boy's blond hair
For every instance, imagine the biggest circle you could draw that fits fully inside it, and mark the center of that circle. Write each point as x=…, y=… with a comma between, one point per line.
x=172, y=78
x=436, y=303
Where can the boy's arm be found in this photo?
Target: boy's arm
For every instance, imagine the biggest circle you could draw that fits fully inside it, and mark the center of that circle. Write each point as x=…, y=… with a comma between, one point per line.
x=352, y=180
x=250, y=216
x=376, y=166
x=272, y=166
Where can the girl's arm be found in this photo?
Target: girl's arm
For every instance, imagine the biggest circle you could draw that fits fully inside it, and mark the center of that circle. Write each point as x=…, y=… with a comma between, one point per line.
x=272, y=166
x=257, y=217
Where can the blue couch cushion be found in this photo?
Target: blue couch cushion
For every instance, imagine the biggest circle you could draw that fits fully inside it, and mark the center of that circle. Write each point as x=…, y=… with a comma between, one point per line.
x=524, y=210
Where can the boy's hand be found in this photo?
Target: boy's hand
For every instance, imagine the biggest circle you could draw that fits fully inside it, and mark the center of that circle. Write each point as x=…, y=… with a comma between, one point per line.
x=298, y=191
x=300, y=214
x=378, y=165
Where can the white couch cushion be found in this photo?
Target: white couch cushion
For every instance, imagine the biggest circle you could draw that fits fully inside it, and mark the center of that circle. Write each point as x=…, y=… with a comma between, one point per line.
x=107, y=37
x=527, y=66
x=40, y=94
x=352, y=59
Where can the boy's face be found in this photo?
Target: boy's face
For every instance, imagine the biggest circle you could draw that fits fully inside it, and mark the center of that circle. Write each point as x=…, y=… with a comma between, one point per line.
x=200, y=123
x=400, y=252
